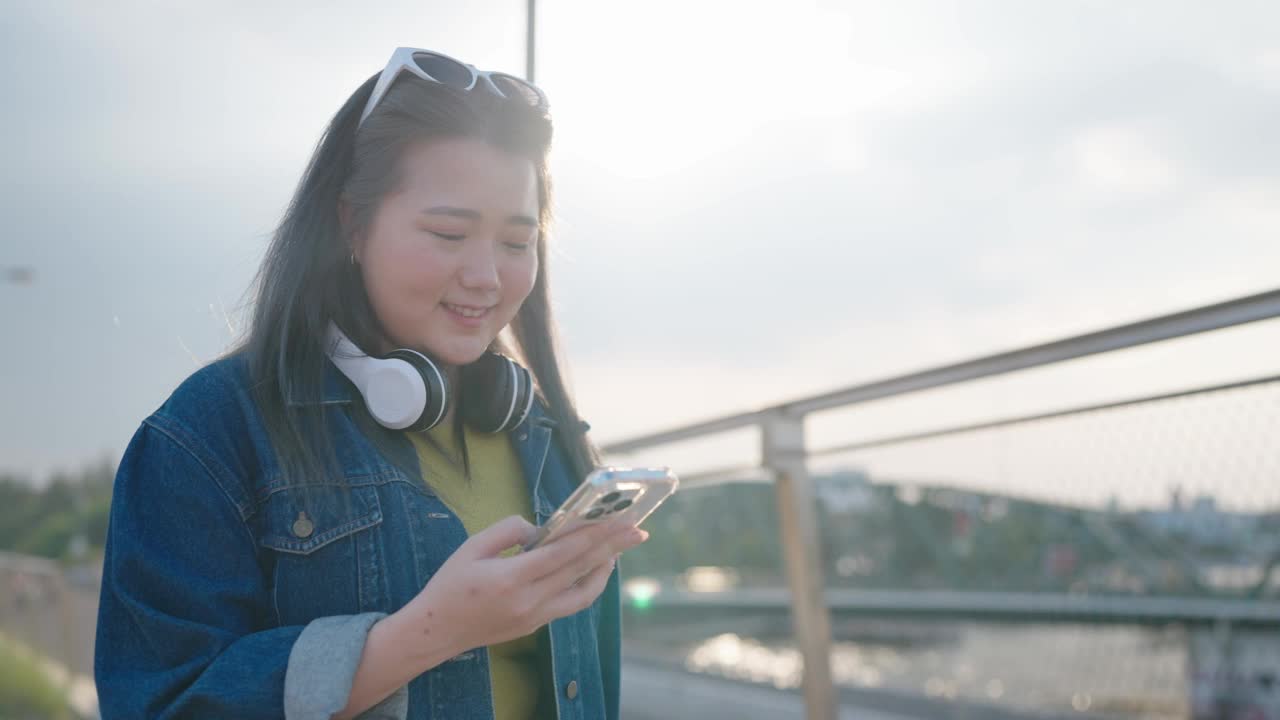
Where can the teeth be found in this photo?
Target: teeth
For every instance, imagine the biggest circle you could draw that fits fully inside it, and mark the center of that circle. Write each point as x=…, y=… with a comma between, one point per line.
x=466, y=312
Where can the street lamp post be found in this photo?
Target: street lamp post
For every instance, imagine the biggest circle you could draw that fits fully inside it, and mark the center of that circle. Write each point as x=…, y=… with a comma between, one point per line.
x=530, y=39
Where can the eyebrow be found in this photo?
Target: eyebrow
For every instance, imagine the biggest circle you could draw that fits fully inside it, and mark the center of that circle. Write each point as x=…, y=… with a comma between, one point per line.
x=470, y=214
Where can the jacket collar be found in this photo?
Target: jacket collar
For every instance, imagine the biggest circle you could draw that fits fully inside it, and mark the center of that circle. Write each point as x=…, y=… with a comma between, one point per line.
x=532, y=443
x=335, y=389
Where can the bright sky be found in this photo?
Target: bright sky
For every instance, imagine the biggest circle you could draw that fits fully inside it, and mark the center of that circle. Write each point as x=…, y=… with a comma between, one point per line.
x=756, y=201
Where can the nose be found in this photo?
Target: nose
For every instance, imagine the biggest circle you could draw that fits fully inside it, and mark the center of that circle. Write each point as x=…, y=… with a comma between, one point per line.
x=479, y=270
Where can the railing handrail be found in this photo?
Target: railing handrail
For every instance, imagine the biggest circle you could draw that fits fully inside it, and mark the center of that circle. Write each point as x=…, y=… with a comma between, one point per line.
x=952, y=430
x=1253, y=308
x=1019, y=606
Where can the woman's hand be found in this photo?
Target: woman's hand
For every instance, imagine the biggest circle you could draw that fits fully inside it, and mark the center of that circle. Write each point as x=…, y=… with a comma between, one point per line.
x=478, y=597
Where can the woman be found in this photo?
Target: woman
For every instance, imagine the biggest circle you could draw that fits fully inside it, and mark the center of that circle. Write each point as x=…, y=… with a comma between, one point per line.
x=276, y=548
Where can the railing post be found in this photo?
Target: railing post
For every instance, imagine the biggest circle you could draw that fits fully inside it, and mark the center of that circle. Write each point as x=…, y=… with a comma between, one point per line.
x=783, y=453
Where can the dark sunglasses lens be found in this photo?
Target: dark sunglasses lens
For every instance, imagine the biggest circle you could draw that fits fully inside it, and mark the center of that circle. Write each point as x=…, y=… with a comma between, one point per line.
x=446, y=71
x=517, y=89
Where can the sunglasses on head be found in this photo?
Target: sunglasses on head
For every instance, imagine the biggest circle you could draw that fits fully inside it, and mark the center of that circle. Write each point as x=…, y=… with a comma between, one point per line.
x=436, y=67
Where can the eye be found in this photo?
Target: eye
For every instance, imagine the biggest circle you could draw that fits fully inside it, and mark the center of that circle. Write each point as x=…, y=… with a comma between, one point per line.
x=520, y=242
x=446, y=236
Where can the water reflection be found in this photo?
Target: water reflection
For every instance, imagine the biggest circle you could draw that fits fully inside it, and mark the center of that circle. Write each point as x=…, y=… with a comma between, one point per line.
x=1095, y=671
x=746, y=659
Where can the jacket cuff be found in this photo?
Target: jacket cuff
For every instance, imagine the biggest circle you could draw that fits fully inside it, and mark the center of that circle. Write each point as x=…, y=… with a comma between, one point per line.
x=395, y=707
x=322, y=667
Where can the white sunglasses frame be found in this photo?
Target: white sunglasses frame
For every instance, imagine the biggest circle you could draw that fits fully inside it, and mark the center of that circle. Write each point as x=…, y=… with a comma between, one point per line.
x=402, y=60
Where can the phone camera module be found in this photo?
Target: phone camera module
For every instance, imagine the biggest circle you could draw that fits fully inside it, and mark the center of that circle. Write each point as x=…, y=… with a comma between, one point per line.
x=595, y=513
x=622, y=505
x=610, y=497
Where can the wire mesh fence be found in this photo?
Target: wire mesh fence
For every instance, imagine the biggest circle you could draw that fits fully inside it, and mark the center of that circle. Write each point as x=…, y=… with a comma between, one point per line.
x=1173, y=496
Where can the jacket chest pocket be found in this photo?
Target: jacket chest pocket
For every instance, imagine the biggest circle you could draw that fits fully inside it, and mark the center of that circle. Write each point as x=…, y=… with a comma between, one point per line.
x=324, y=543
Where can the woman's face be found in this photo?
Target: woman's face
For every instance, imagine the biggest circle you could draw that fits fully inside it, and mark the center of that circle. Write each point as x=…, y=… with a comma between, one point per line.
x=450, y=254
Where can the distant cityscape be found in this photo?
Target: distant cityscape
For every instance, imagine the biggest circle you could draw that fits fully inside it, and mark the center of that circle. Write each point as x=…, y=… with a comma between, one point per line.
x=900, y=534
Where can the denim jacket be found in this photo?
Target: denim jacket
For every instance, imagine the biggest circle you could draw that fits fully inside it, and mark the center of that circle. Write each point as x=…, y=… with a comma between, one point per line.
x=221, y=599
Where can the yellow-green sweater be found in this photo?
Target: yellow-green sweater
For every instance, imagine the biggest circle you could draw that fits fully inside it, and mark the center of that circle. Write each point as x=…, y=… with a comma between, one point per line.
x=519, y=669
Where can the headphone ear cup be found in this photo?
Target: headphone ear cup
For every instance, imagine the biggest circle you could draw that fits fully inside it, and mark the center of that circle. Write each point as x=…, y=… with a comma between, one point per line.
x=438, y=395
x=497, y=392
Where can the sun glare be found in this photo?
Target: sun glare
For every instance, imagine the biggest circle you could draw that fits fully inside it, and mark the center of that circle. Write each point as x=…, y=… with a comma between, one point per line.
x=645, y=91
x=629, y=92
x=648, y=90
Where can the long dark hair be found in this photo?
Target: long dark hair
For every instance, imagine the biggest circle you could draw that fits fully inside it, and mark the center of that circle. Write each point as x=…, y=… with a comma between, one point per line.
x=306, y=278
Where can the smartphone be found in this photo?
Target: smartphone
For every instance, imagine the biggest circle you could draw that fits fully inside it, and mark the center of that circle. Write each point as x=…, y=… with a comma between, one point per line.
x=608, y=493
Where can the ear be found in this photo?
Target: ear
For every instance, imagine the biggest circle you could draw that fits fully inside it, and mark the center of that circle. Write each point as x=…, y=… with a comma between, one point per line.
x=344, y=222
x=344, y=213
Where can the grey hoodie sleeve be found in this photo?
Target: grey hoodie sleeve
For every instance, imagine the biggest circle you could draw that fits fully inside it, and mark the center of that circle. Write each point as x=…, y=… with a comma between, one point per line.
x=322, y=666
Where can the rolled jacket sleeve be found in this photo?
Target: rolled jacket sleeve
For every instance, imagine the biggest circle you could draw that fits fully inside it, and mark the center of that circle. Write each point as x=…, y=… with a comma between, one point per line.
x=323, y=665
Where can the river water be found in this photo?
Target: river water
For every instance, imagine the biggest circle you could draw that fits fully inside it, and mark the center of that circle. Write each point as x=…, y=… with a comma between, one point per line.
x=1032, y=670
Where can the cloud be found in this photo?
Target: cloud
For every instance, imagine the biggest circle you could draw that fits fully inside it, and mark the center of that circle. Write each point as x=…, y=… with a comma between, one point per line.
x=855, y=190
x=1121, y=160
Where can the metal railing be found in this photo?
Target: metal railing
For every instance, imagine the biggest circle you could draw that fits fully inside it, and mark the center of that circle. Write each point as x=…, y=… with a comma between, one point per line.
x=784, y=458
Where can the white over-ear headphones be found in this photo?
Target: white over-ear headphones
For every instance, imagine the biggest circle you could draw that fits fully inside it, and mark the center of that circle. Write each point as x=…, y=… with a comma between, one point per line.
x=406, y=390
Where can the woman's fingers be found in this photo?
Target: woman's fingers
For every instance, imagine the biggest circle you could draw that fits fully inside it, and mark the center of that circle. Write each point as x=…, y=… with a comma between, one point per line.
x=577, y=596
x=550, y=558
x=574, y=570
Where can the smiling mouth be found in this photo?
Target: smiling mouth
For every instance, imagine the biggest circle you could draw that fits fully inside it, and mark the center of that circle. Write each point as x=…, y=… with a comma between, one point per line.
x=467, y=312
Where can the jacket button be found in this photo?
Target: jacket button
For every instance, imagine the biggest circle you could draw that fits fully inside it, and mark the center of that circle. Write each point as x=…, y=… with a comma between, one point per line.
x=571, y=690
x=303, y=527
